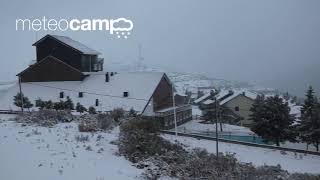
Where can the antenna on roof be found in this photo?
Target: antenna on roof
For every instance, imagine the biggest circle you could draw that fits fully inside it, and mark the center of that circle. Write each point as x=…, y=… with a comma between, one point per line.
x=140, y=57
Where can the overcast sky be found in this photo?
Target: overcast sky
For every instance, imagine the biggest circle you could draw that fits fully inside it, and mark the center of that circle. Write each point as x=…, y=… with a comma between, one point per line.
x=268, y=42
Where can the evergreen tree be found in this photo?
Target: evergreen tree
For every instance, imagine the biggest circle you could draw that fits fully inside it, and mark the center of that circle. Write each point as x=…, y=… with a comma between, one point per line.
x=26, y=102
x=48, y=104
x=256, y=113
x=59, y=105
x=40, y=104
x=132, y=113
x=92, y=110
x=310, y=120
x=68, y=104
x=272, y=120
x=80, y=108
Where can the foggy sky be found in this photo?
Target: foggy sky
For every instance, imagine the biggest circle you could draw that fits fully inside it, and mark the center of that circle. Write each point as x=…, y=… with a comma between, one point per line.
x=267, y=42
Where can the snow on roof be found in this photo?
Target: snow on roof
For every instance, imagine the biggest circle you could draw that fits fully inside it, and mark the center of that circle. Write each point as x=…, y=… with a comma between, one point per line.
x=223, y=93
x=246, y=93
x=74, y=44
x=139, y=85
x=202, y=98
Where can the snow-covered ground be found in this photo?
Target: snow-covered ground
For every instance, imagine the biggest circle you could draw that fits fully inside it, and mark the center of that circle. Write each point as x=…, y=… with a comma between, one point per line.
x=292, y=162
x=195, y=126
x=39, y=153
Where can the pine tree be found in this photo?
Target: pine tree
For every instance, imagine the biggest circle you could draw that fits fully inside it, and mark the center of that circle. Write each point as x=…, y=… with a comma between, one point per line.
x=59, y=105
x=26, y=102
x=310, y=120
x=80, y=108
x=48, y=104
x=272, y=120
x=92, y=110
x=286, y=96
x=40, y=104
x=68, y=104
x=132, y=113
x=256, y=113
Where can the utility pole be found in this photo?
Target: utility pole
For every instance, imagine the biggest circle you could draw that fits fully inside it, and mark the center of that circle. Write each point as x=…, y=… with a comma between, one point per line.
x=217, y=138
x=21, y=95
x=174, y=111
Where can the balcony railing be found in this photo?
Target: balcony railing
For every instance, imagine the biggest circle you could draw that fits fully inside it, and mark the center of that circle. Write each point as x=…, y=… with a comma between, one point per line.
x=169, y=111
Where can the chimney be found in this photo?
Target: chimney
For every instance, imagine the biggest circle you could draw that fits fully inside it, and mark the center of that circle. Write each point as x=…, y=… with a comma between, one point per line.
x=243, y=93
x=111, y=73
x=107, y=77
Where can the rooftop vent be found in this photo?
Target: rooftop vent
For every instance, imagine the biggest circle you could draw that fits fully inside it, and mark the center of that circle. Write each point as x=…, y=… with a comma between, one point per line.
x=107, y=77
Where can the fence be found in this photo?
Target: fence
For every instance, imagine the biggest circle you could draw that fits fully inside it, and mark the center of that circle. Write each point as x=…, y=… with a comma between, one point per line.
x=242, y=143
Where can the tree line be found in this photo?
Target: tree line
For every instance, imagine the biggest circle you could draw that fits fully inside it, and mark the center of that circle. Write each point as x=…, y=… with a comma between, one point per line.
x=21, y=100
x=273, y=122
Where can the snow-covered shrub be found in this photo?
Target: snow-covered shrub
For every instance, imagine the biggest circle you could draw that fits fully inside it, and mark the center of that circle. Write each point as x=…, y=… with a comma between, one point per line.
x=87, y=126
x=44, y=117
x=95, y=122
x=80, y=108
x=92, y=110
x=25, y=101
x=117, y=113
x=82, y=138
x=105, y=121
x=139, y=140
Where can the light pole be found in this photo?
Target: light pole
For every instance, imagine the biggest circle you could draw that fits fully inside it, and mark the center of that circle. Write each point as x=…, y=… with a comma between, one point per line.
x=174, y=111
x=217, y=138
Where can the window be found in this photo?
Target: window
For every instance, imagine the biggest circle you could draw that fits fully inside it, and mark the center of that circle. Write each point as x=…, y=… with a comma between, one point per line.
x=61, y=95
x=97, y=102
x=236, y=108
x=125, y=94
x=80, y=94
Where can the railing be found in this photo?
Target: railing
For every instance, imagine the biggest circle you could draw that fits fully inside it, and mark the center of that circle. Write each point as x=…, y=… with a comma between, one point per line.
x=242, y=143
x=171, y=110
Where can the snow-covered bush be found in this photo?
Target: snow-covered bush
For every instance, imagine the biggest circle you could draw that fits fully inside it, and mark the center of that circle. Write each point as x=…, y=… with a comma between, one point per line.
x=105, y=121
x=95, y=122
x=45, y=117
x=82, y=138
x=117, y=113
x=92, y=110
x=139, y=140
